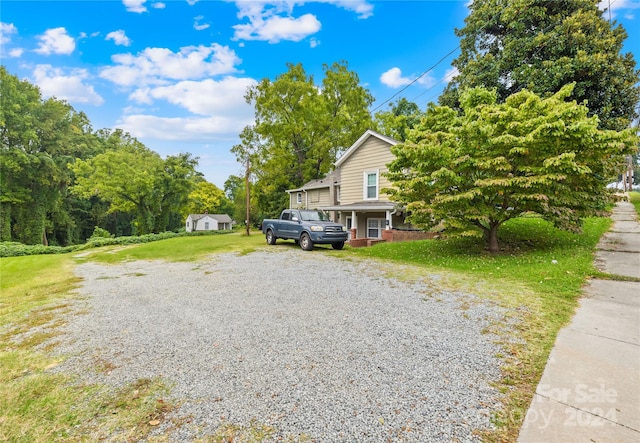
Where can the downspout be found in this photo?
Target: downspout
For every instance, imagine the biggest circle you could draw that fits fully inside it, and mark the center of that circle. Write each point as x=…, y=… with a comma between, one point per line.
x=391, y=214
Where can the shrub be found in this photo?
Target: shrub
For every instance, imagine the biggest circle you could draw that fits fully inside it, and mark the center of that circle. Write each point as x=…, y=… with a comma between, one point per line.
x=98, y=232
x=13, y=249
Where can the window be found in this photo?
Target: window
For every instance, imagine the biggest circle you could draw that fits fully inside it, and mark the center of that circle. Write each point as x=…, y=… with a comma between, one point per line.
x=299, y=198
x=338, y=194
x=374, y=227
x=206, y=226
x=188, y=224
x=371, y=185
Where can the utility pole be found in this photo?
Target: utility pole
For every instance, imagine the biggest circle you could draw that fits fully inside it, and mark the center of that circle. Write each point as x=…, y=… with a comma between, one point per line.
x=246, y=191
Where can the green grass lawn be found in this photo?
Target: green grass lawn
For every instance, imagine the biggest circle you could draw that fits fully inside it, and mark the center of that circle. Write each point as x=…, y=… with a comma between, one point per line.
x=538, y=278
x=634, y=197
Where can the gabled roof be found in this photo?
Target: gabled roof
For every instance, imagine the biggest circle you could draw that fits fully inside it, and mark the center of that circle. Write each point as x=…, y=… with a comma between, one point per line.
x=221, y=218
x=354, y=147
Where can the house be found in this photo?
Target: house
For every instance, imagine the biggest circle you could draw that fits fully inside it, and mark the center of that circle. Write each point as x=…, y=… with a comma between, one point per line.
x=352, y=192
x=208, y=222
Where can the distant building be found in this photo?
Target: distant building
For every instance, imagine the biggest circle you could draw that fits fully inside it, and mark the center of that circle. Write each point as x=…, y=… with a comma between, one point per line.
x=208, y=222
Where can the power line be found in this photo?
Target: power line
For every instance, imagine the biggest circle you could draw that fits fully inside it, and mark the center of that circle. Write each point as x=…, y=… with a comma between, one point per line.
x=416, y=79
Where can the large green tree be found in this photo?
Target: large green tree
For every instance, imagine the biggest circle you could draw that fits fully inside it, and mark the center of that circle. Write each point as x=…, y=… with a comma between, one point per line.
x=402, y=116
x=39, y=139
x=475, y=169
x=302, y=128
x=207, y=197
x=543, y=45
x=134, y=179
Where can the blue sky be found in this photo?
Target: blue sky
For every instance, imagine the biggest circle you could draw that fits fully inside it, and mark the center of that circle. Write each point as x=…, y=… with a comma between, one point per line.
x=174, y=73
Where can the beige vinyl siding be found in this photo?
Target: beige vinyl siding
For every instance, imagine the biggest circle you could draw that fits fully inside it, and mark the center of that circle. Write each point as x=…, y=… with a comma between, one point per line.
x=317, y=198
x=323, y=198
x=311, y=199
x=373, y=155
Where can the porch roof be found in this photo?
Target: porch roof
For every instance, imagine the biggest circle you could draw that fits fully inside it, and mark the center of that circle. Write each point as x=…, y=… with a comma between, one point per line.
x=363, y=206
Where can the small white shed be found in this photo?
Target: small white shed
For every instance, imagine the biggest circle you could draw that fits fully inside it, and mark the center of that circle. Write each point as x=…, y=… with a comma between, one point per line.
x=208, y=222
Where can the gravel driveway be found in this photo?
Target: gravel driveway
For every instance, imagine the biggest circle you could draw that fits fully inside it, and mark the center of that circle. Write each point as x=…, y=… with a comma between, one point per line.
x=308, y=343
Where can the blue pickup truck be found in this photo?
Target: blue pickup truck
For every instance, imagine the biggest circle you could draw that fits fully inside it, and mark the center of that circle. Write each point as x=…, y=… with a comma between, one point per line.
x=306, y=228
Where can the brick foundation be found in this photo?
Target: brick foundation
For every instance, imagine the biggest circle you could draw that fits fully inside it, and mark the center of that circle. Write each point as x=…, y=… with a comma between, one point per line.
x=392, y=235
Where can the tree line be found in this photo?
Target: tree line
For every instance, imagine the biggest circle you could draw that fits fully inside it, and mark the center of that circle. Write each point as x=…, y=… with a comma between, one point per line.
x=539, y=118
x=60, y=179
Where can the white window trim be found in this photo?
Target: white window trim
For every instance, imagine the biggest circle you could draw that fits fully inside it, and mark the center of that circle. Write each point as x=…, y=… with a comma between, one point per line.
x=299, y=198
x=365, y=183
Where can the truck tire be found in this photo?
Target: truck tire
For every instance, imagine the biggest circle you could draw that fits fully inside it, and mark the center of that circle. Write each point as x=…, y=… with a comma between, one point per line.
x=305, y=242
x=271, y=239
x=338, y=245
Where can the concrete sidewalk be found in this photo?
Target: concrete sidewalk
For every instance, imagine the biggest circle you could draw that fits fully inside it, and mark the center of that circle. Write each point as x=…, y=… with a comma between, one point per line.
x=590, y=388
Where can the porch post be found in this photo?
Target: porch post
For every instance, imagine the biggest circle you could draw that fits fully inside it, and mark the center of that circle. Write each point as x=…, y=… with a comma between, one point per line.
x=354, y=225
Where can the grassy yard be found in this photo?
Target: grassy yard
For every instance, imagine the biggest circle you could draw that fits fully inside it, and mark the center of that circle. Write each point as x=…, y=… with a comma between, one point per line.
x=538, y=277
x=634, y=197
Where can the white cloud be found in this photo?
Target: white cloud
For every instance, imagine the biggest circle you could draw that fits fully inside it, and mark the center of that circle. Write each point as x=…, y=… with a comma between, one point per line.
x=221, y=111
x=363, y=8
x=274, y=21
x=53, y=82
x=450, y=74
x=119, y=38
x=6, y=29
x=393, y=78
x=314, y=42
x=154, y=66
x=16, y=52
x=184, y=129
x=197, y=26
x=624, y=6
x=207, y=97
x=56, y=41
x=158, y=5
x=275, y=28
x=135, y=5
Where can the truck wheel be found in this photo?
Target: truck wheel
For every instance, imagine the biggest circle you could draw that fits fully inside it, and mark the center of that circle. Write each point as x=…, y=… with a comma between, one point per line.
x=271, y=239
x=338, y=245
x=305, y=242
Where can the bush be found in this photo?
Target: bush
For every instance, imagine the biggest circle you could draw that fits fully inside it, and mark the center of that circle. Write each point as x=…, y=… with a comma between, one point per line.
x=98, y=232
x=13, y=249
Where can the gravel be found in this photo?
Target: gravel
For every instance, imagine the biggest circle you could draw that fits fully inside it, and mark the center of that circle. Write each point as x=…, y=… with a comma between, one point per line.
x=313, y=345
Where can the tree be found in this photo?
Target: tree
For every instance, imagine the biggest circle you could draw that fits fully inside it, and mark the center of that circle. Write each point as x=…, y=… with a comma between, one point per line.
x=302, y=128
x=543, y=45
x=40, y=138
x=474, y=170
x=207, y=197
x=403, y=116
x=234, y=188
x=134, y=179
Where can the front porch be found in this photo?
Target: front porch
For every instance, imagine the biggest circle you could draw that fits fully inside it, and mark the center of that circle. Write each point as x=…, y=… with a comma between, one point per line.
x=369, y=223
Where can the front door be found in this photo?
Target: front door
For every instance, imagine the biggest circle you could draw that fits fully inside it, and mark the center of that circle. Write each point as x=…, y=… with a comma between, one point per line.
x=375, y=227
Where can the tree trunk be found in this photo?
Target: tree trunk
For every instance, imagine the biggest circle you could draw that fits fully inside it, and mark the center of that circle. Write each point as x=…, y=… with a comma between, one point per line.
x=492, y=239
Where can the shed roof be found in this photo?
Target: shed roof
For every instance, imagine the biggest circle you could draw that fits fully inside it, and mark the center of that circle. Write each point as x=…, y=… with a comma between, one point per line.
x=221, y=218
